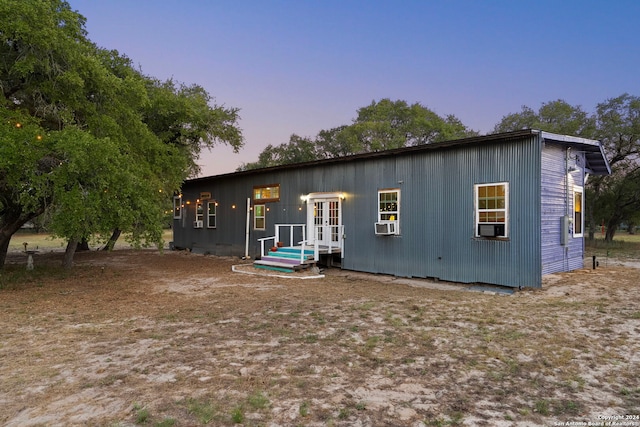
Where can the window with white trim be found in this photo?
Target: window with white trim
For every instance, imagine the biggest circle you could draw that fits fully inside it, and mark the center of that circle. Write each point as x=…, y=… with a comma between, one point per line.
x=259, y=217
x=578, y=211
x=177, y=207
x=211, y=213
x=492, y=209
x=199, y=214
x=389, y=205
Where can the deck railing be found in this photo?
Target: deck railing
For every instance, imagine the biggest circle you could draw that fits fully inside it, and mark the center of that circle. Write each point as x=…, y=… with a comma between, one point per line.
x=325, y=230
x=276, y=238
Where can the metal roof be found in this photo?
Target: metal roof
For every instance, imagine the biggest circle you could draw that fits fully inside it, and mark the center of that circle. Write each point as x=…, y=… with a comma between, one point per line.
x=596, y=159
x=594, y=152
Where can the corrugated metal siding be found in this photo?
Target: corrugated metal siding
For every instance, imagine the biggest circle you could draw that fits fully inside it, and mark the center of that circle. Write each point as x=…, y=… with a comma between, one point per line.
x=556, y=202
x=436, y=217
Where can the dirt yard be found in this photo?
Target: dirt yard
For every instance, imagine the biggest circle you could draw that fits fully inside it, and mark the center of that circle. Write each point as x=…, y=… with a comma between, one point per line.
x=176, y=339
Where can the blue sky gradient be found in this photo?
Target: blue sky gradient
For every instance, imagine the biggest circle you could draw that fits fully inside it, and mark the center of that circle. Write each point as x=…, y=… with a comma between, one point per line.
x=303, y=66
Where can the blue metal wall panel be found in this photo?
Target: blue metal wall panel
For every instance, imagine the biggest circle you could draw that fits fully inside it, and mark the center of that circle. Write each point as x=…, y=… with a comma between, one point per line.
x=556, y=202
x=436, y=218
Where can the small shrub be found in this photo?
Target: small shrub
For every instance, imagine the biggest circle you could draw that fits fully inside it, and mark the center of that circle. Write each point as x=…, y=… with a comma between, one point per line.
x=542, y=407
x=167, y=422
x=304, y=409
x=258, y=400
x=237, y=415
x=203, y=411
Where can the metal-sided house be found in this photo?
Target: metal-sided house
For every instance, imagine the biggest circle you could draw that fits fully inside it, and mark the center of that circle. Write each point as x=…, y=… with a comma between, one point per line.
x=501, y=209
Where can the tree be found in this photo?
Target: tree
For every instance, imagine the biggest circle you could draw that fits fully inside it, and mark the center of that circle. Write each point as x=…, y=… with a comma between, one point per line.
x=382, y=125
x=298, y=149
x=555, y=116
x=84, y=134
x=616, y=123
x=617, y=197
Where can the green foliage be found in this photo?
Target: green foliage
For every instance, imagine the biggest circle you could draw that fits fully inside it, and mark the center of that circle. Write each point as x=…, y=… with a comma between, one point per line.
x=87, y=138
x=382, y=125
x=616, y=123
x=237, y=415
x=555, y=116
x=258, y=400
x=204, y=411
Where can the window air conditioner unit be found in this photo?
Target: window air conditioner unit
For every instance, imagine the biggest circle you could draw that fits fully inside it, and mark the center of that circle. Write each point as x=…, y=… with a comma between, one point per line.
x=491, y=230
x=385, y=228
x=197, y=224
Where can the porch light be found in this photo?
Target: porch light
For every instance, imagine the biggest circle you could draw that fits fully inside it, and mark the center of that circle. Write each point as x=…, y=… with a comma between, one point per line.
x=342, y=196
x=233, y=206
x=304, y=197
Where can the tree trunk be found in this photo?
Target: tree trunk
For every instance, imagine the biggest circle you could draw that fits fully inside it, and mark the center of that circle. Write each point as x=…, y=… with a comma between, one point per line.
x=4, y=248
x=11, y=223
x=111, y=243
x=67, y=261
x=83, y=245
x=592, y=223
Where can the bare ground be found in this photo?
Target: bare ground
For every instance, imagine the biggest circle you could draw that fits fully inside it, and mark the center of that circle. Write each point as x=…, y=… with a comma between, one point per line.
x=144, y=338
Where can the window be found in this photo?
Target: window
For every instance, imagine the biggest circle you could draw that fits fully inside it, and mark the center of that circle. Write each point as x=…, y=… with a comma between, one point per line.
x=578, y=211
x=211, y=213
x=267, y=193
x=259, y=219
x=177, y=207
x=492, y=209
x=389, y=205
x=199, y=214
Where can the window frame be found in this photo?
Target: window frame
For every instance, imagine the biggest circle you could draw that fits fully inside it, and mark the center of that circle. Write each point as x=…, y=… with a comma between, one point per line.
x=478, y=210
x=578, y=190
x=260, y=199
x=199, y=211
x=177, y=207
x=263, y=217
x=395, y=214
x=209, y=215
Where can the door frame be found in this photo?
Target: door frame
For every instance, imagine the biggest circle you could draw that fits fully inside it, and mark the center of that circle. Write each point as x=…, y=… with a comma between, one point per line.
x=312, y=198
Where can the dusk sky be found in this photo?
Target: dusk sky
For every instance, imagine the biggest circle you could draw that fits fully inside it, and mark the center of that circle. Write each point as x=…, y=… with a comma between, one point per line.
x=303, y=66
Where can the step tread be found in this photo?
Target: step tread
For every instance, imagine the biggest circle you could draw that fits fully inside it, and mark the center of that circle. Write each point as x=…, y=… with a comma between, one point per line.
x=275, y=264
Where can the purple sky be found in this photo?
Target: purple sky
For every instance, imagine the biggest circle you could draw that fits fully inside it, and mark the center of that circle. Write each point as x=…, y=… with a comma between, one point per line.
x=300, y=66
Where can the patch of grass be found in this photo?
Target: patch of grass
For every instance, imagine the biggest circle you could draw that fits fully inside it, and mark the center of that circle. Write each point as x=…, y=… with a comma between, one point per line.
x=167, y=422
x=257, y=400
x=623, y=245
x=542, y=407
x=566, y=407
x=142, y=414
x=203, y=411
x=16, y=276
x=304, y=409
x=311, y=339
x=371, y=343
x=237, y=415
x=343, y=414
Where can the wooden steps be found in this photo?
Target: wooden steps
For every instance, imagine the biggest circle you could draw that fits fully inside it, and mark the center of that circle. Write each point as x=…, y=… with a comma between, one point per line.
x=285, y=260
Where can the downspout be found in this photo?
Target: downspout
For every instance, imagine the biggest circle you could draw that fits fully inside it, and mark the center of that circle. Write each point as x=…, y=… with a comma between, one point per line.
x=246, y=233
x=566, y=209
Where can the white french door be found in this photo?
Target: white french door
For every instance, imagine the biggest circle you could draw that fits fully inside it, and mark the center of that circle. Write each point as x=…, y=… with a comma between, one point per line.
x=324, y=220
